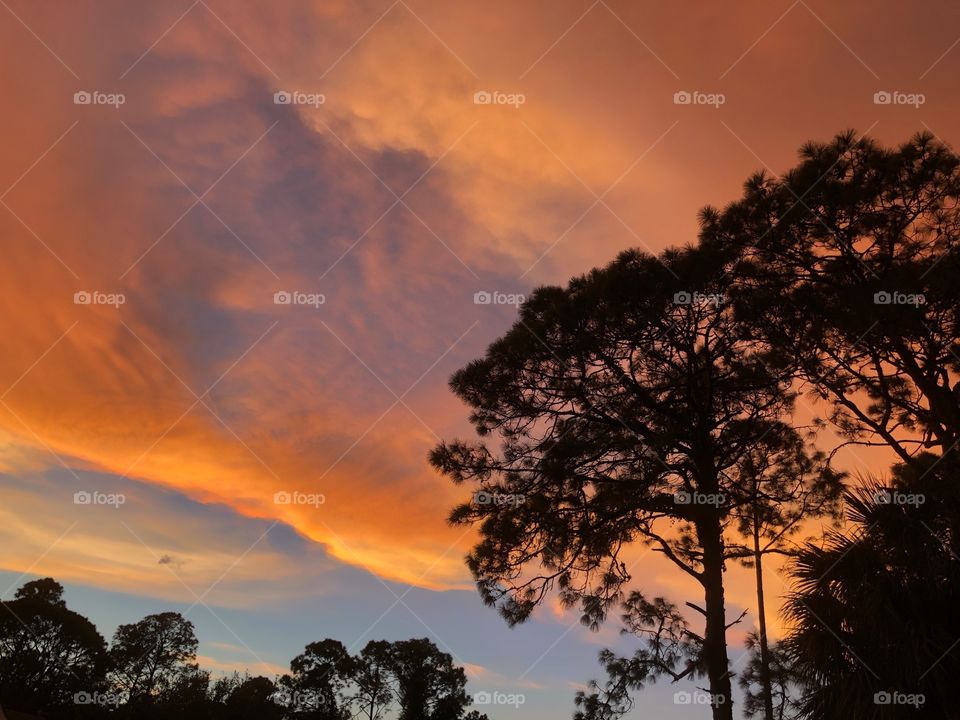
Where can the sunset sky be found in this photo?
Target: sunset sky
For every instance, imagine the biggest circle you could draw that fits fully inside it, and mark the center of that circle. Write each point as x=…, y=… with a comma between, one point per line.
x=182, y=211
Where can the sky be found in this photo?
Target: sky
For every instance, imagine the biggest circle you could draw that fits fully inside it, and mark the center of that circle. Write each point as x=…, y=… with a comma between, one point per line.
x=245, y=245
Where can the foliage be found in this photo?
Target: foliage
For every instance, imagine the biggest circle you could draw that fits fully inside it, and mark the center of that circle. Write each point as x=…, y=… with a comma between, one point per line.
x=53, y=661
x=47, y=652
x=875, y=608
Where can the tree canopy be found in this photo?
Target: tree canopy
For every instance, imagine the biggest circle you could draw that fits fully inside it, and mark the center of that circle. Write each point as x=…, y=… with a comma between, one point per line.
x=54, y=662
x=653, y=401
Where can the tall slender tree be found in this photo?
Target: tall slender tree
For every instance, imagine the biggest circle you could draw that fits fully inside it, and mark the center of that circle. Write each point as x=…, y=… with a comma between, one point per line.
x=785, y=487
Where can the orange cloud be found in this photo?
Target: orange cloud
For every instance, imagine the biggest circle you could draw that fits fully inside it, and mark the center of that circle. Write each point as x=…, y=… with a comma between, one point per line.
x=305, y=399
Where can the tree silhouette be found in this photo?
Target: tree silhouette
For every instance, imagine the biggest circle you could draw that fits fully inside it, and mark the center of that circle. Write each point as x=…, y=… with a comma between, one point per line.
x=669, y=648
x=624, y=407
x=44, y=590
x=317, y=684
x=372, y=693
x=186, y=698
x=784, y=487
x=152, y=658
x=248, y=698
x=475, y=715
x=875, y=609
x=769, y=684
x=414, y=678
x=848, y=272
x=426, y=682
x=48, y=653
x=53, y=661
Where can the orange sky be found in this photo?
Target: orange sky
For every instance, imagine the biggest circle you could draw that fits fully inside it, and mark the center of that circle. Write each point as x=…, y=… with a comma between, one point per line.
x=398, y=198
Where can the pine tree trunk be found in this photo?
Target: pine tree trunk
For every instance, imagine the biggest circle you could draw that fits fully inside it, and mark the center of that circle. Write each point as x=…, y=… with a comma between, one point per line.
x=762, y=620
x=715, y=637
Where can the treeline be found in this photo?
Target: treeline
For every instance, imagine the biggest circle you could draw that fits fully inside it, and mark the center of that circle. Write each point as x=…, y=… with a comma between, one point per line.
x=54, y=663
x=658, y=401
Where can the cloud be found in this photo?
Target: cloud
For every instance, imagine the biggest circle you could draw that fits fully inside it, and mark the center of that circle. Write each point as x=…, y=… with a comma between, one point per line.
x=198, y=382
x=228, y=667
x=481, y=676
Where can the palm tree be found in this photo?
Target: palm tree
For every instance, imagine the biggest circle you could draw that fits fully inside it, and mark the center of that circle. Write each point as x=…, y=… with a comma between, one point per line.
x=875, y=628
